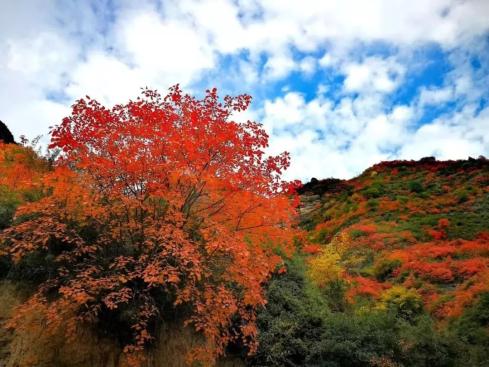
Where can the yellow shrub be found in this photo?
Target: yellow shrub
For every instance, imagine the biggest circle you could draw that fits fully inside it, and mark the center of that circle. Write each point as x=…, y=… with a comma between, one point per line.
x=405, y=302
x=326, y=267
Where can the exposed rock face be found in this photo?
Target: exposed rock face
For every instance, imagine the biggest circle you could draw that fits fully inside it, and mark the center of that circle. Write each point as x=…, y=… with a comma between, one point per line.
x=5, y=134
x=313, y=195
x=309, y=203
x=320, y=187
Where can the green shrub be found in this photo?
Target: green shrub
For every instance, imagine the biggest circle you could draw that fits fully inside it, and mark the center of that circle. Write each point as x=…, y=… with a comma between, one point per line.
x=402, y=199
x=424, y=345
x=335, y=293
x=415, y=186
x=384, y=267
x=375, y=190
x=472, y=333
x=291, y=322
x=373, y=204
x=356, y=341
x=356, y=233
x=462, y=197
x=8, y=204
x=405, y=303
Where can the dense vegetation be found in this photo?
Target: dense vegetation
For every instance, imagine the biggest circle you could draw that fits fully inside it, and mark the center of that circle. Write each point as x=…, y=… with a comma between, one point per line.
x=158, y=212
x=158, y=231
x=395, y=273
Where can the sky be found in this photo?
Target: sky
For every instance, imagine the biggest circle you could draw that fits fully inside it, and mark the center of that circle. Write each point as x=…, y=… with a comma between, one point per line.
x=340, y=84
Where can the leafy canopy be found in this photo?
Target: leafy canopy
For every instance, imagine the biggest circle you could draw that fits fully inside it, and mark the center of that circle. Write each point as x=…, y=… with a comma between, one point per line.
x=159, y=208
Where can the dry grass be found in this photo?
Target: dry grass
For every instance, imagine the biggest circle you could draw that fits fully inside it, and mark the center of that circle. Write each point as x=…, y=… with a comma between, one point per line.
x=32, y=346
x=10, y=297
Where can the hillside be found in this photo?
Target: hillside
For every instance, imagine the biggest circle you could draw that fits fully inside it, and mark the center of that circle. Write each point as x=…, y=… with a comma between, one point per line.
x=394, y=272
x=422, y=225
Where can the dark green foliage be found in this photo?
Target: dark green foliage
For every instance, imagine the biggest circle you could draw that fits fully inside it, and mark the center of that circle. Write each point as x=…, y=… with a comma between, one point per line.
x=415, y=186
x=384, y=268
x=425, y=346
x=375, y=190
x=334, y=294
x=35, y=267
x=479, y=313
x=462, y=197
x=291, y=322
x=350, y=340
x=463, y=224
x=472, y=331
x=304, y=326
x=372, y=204
x=357, y=233
x=8, y=204
x=468, y=225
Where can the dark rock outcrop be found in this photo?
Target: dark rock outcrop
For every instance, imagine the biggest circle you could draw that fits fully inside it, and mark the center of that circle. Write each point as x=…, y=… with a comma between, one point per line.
x=320, y=187
x=5, y=134
x=427, y=159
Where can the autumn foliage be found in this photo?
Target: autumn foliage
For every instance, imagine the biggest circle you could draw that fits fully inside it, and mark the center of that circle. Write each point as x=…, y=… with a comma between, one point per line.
x=21, y=169
x=162, y=208
x=417, y=225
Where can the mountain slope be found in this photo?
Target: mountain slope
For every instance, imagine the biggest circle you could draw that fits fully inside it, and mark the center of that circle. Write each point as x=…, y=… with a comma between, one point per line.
x=393, y=271
x=421, y=225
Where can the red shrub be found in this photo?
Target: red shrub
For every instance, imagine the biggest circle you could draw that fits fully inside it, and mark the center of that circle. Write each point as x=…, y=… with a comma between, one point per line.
x=443, y=223
x=470, y=267
x=366, y=287
x=311, y=249
x=367, y=228
x=436, y=235
x=439, y=272
x=483, y=236
x=439, y=251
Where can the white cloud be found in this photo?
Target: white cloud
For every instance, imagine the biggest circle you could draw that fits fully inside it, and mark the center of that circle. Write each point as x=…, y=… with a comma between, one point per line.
x=105, y=78
x=285, y=112
x=279, y=65
x=311, y=22
x=435, y=96
x=327, y=139
x=308, y=65
x=327, y=60
x=219, y=20
x=163, y=47
x=373, y=74
x=451, y=137
x=55, y=52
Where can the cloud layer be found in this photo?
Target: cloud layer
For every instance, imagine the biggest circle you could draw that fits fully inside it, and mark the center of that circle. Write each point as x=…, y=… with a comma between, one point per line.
x=339, y=84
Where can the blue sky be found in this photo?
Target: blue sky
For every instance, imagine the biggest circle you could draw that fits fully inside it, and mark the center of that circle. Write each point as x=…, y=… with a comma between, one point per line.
x=340, y=84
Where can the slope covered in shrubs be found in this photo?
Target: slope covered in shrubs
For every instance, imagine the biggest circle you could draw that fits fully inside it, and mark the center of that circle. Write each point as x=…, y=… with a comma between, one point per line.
x=398, y=261
x=421, y=225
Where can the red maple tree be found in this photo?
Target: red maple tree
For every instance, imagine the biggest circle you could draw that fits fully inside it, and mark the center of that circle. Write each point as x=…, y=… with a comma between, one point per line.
x=161, y=206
